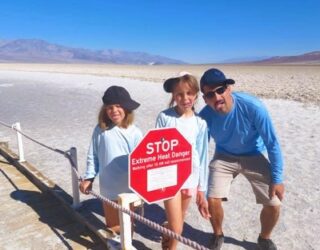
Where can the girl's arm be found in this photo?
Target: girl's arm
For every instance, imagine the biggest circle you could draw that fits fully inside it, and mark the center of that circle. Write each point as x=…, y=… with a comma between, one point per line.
x=92, y=163
x=92, y=156
x=137, y=137
x=202, y=149
x=203, y=205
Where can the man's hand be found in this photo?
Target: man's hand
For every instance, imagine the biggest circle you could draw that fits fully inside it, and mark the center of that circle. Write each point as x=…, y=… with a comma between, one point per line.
x=202, y=205
x=276, y=189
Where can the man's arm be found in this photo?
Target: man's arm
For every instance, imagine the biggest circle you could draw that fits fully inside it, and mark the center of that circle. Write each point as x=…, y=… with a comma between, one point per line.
x=267, y=132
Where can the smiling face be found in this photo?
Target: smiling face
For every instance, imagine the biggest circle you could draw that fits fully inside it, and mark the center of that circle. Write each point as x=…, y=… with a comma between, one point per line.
x=218, y=98
x=184, y=97
x=115, y=113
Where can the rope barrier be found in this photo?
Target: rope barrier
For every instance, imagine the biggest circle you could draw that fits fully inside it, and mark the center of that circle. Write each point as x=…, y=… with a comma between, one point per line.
x=145, y=221
x=136, y=216
x=30, y=138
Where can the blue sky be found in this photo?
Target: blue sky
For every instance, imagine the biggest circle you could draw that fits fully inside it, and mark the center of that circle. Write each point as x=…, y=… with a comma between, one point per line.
x=196, y=31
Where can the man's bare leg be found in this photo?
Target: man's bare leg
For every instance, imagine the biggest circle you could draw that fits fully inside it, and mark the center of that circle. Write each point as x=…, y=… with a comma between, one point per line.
x=269, y=217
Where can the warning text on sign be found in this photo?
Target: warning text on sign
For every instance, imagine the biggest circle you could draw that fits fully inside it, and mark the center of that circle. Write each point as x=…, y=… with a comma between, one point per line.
x=161, y=177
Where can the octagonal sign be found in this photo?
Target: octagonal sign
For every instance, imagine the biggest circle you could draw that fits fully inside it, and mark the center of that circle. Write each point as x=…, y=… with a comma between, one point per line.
x=160, y=164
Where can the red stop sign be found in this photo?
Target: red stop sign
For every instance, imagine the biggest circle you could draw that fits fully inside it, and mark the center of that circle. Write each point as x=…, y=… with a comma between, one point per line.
x=160, y=164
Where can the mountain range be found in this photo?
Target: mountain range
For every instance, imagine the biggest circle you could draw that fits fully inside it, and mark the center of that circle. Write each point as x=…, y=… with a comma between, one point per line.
x=307, y=58
x=40, y=51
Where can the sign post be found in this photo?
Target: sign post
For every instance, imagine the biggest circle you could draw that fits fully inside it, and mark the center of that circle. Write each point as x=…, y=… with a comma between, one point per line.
x=160, y=164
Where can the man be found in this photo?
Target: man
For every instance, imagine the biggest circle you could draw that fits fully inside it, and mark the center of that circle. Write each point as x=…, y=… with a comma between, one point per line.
x=242, y=130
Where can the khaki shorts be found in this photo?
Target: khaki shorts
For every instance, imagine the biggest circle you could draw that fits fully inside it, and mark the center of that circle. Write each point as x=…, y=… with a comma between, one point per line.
x=224, y=168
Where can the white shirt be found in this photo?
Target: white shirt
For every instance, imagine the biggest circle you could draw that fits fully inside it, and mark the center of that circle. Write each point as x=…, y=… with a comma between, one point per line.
x=194, y=129
x=108, y=155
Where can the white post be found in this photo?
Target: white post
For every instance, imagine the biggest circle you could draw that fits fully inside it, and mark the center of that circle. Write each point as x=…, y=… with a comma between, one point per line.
x=75, y=186
x=125, y=200
x=19, y=138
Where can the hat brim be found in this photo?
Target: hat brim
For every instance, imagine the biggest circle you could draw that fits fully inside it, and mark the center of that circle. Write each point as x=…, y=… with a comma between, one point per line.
x=227, y=81
x=168, y=84
x=130, y=105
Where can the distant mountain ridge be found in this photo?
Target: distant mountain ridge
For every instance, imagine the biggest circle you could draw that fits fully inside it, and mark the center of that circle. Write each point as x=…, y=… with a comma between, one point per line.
x=40, y=51
x=311, y=57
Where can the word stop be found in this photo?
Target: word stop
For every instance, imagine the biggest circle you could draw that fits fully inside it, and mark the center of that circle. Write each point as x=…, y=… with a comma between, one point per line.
x=161, y=146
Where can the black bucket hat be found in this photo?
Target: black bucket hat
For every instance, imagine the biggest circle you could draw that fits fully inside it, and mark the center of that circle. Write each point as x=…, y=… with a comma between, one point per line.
x=168, y=84
x=214, y=77
x=119, y=95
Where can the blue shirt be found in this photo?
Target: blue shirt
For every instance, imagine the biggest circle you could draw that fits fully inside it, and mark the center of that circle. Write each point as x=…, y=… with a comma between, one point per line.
x=246, y=130
x=108, y=156
x=194, y=129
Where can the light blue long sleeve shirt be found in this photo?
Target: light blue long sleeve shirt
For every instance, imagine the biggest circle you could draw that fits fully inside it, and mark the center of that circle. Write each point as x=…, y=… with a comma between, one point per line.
x=246, y=130
x=194, y=129
x=108, y=156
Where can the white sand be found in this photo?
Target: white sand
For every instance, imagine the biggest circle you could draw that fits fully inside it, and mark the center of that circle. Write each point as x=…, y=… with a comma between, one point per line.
x=60, y=110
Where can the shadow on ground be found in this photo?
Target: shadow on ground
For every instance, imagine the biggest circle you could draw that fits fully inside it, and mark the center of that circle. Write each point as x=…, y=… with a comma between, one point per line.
x=156, y=214
x=54, y=215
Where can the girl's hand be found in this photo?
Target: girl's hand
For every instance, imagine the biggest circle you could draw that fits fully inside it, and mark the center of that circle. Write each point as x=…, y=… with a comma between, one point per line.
x=202, y=205
x=85, y=186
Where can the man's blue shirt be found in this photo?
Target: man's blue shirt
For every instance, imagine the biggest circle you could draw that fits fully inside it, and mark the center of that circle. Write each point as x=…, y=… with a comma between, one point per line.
x=246, y=130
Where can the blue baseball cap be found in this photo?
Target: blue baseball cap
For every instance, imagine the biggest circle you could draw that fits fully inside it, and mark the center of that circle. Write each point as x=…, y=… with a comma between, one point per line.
x=214, y=77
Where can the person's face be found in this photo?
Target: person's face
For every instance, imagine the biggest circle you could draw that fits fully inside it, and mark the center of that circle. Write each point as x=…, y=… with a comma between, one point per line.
x=218, y=98
x=115, y=113
x=184, y=97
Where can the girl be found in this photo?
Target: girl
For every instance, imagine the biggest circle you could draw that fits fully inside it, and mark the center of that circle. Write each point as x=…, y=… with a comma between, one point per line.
x=181, y=115
x=113, y=139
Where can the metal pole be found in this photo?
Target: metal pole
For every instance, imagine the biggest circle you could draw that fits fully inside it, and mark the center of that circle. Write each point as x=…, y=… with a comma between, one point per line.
x=75, y=187
x=20, y=145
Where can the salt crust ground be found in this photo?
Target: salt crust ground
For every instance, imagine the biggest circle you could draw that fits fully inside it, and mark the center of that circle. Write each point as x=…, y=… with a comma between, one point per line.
x=60, y=110
x=292, y=82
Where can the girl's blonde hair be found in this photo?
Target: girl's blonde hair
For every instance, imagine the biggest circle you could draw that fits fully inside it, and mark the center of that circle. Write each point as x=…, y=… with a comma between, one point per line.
x=105, y=122
x=192, y=82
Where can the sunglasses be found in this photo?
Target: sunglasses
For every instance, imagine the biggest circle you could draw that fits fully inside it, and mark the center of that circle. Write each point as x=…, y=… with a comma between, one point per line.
x=219, y=91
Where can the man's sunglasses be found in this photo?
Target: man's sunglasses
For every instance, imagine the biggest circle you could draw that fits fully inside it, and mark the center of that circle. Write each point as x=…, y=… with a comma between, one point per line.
x=219, y=91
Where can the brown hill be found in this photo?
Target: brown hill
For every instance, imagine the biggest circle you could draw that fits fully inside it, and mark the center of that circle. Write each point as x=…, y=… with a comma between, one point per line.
x=308, y=58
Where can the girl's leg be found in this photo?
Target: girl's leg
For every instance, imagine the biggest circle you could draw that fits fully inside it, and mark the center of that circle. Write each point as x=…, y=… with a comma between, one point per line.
x=175, y=210
x=112, y=217
x=185, y=201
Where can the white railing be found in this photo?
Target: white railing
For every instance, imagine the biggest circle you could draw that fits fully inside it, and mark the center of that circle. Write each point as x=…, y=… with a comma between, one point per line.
x=17, y=128
x=124, y=201
x=74, y=179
